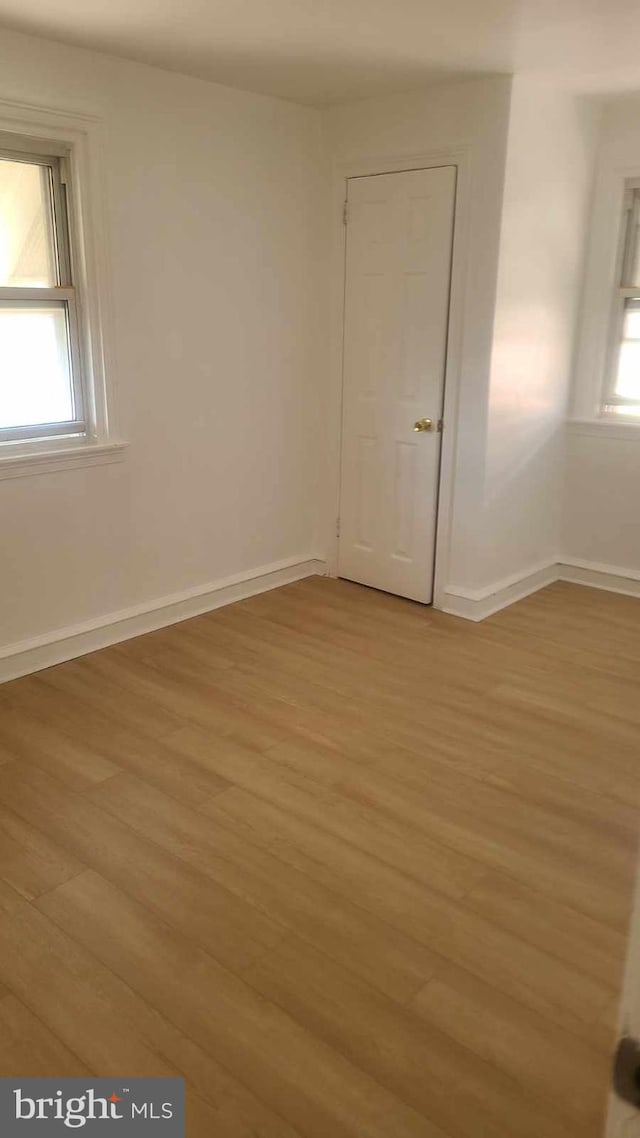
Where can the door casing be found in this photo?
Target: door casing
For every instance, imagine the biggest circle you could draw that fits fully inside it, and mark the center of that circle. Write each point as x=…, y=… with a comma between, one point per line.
x=402, y=230
x=389, y=165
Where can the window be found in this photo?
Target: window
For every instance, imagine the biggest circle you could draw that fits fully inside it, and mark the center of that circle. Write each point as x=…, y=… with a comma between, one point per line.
x=622, y=391
x=43, y=392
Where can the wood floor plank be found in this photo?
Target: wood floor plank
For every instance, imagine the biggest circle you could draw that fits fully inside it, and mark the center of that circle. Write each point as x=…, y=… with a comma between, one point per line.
x=29, y=861
x=254, y=639
x=541, y=1057
x=201, y=701
x=534, y=974
x=345, y=849
x=557, y=929
x=417, y=1062
x=574, y=859
x=136, y=711
x=299, y=1076
x=72, y=1014
x=562, y=990
x=352, y=867
x=165, y=767
x=445, y=738
x=307, y=797
x=84, y=1005
x=391, y=960
x=609, y=822
x=75, y=763
x=584, y=757
x=349, y=702
x=85, y=723
x=78, y=764
x=28, y=1047
x=225, y=923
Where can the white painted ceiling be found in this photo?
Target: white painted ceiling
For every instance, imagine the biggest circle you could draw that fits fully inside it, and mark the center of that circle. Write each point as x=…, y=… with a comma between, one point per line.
x=324, y=51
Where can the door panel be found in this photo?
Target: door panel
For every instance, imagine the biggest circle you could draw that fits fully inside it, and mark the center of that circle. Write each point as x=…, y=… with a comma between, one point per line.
x=398, y=268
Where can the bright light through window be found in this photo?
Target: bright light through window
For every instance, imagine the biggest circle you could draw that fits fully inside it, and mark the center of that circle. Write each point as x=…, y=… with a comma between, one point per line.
x=40, y=386
x=627, y=384
x=26, y=231
x=35, y=379
x=622, y=394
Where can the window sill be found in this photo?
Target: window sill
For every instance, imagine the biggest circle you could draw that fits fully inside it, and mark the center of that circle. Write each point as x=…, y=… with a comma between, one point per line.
x=605, y=428
x=43, y=461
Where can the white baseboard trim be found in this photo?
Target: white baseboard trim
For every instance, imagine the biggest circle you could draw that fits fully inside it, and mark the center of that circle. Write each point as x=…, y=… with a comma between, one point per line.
x=33, y=655
x=477, y=604
x=612, y=578
x=27, y=656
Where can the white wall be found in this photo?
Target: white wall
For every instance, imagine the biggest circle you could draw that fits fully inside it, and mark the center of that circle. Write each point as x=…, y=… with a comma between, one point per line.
x=472, y=116
x=531, y=152
x=602, y=520
x=213, y=199
x=217, y=206
x=549, y=175
x=602, y=516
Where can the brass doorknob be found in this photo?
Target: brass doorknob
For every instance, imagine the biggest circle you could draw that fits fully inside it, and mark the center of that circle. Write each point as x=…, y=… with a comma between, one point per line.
x=423, y=425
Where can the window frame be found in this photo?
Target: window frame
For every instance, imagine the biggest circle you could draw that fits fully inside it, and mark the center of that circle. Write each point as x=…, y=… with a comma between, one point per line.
x=55, y=159
x=623, y=294
x=79, y=139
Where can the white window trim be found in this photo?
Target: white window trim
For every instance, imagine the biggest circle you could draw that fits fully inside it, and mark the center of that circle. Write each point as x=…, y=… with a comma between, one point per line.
x=600, y=303
x=625, y=428
x=103, y=443
x=62, y=458
x=620, y=293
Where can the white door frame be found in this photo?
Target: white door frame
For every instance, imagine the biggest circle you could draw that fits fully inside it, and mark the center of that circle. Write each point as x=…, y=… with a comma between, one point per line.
x=362, y=167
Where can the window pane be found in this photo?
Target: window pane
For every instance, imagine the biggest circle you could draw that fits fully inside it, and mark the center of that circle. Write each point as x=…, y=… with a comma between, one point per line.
x=26, y=232
x=631, y=327
x=633, y=270
x=35, y=372
x=616, y=409
x=628, y=374
x=628, y=379
x=630, y=274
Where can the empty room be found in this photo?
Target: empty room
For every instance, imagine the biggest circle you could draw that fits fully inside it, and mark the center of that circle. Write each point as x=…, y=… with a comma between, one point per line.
x=320, y=568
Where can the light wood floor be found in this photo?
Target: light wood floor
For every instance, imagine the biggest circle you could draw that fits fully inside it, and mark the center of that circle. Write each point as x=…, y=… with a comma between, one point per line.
x=352, y=867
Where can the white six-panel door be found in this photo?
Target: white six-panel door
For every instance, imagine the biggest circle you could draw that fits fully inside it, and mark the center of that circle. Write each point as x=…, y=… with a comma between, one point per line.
x=398, y=268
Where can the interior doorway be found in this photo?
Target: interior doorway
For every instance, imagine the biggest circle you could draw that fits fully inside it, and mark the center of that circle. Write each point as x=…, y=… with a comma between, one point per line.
x=397, y=287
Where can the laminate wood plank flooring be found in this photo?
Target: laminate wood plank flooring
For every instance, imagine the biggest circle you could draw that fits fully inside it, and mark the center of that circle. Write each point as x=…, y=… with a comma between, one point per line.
x=352, y=867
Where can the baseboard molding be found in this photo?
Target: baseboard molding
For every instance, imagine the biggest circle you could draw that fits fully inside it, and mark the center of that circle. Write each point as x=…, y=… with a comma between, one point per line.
x=612, y=578
x=478, y=604
x=76, y=640
x=33, y=655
